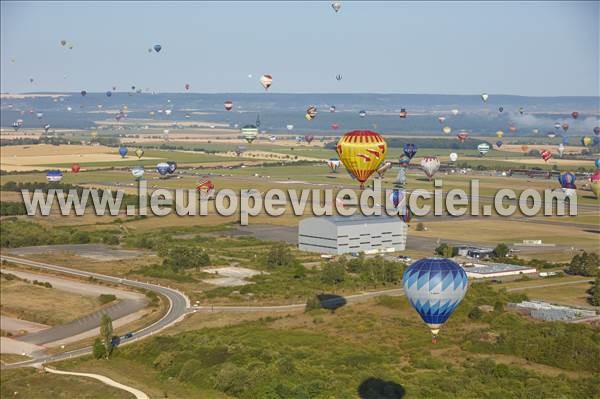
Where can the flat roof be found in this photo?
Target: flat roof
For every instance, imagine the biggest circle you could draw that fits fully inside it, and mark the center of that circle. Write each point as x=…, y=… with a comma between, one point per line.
x=489, y=268
x=359, y=219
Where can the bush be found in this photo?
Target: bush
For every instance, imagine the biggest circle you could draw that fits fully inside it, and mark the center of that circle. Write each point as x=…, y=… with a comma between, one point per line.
x=98, y=350
x=475, y=313
x=420, y=226
x=106, y=298
x=280, y=255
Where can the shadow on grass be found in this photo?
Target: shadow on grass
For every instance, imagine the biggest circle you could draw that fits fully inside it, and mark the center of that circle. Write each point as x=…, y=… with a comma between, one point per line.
x=376, y=388
x=331, y=301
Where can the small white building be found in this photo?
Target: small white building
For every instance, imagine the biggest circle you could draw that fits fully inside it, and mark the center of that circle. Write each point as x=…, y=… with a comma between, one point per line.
x=352, y=234
x=491, y=270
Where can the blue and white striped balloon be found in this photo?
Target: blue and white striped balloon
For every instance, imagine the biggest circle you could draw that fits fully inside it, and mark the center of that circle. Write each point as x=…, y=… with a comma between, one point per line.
x=435, y=287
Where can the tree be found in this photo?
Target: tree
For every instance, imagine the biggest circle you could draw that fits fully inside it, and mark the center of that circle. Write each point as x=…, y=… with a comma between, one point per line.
x=280, y=255
x=501, y=250
x=445, y=250
x=584, y=264
x=333, y=273
x=98, y=349
x=106, y=332
x=594, y=292
x=420, y=226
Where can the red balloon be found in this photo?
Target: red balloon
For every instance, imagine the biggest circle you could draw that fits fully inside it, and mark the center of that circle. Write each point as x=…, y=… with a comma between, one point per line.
x=575, y=114
x=75, y=168
x=546, y=155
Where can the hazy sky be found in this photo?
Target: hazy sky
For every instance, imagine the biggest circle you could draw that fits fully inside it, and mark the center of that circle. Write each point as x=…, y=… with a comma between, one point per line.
x=529, y=48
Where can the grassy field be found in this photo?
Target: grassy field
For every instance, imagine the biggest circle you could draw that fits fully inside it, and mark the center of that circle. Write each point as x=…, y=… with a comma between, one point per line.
x=32, y=384
x=43, y=305
x=574, y=293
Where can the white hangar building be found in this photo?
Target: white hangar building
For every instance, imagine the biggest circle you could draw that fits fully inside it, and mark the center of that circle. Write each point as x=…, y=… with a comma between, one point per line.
x=338, y=235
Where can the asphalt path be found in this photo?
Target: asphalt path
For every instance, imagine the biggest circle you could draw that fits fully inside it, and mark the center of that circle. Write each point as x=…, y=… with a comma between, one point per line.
x=178, y=305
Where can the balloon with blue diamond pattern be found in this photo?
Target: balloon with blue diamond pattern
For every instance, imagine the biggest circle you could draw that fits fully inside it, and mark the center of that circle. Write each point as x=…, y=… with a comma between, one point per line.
x=435, y=287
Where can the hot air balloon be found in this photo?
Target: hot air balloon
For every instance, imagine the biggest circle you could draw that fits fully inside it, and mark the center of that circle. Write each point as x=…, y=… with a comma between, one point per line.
x=597, y=163
x=546, y=155
x=400, y=177
x=524, y=148
x=453, y=157
x=499, y=134
x=338, y=77
x=462, y=136
x=567, y=183
x=54, y=176
x=157, y=47
x=551, y=134
x=16, y=126
x=108, y=93
x=266, y=81
x=435, y=287
x=483, y=148
x=561, y=149
x=333, y=164
x=63, y=43
x=441, y=119
x=309, y=138
x=168, y=111
x=597, y=130
x=575, y=114
x=332, y=108
x=122, y=151
x=512, y=128
x=396, y=199
x=595, y=176
x=139, y=153
x=565, y=126
x=139, y=171
x=499, y=143
x=409, y=150
x=557, y=125
x=75, y=167
x=446, y=130
x=536, y=131
x=69, y=108
x=187, y=86
x=586, y=141
x=46, y=128
x=383, y=167
x=501, y=109
x=362, y=113
x=404, y=161
x=403, y=113
x=596, y=188
x=336, y=5
x=39, y=115
x=430, y=166
x=521, y=110
x=454, y=112
x=272, y=138
x=249, y=132
x=31, y=80
x=361, y=152
x=83, y=93
x=205, y=184
x=335, y=126
x=228, y=105
x=289, y=127
x=406, y=216
x=485, y=97
x=311, y=112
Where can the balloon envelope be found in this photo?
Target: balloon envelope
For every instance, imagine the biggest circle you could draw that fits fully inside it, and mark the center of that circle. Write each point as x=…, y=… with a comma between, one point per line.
x=266, y=81
x=157, y=47
x=453, y=156
x=435, y=287
x=122, y=151
x=361, y=152
x=430, y=166
x=410, y=150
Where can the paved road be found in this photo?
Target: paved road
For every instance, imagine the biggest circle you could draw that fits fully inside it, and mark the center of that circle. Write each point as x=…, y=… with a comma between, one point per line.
x=178, y=304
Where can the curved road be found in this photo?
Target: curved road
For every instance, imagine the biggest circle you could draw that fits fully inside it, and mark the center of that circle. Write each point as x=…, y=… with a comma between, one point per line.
x=178, y=305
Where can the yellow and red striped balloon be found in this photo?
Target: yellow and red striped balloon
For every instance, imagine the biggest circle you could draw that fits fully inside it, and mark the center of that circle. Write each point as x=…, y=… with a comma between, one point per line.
x=361, y=152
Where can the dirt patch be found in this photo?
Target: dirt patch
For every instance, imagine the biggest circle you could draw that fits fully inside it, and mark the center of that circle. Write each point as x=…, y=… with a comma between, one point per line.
x=232, y=276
